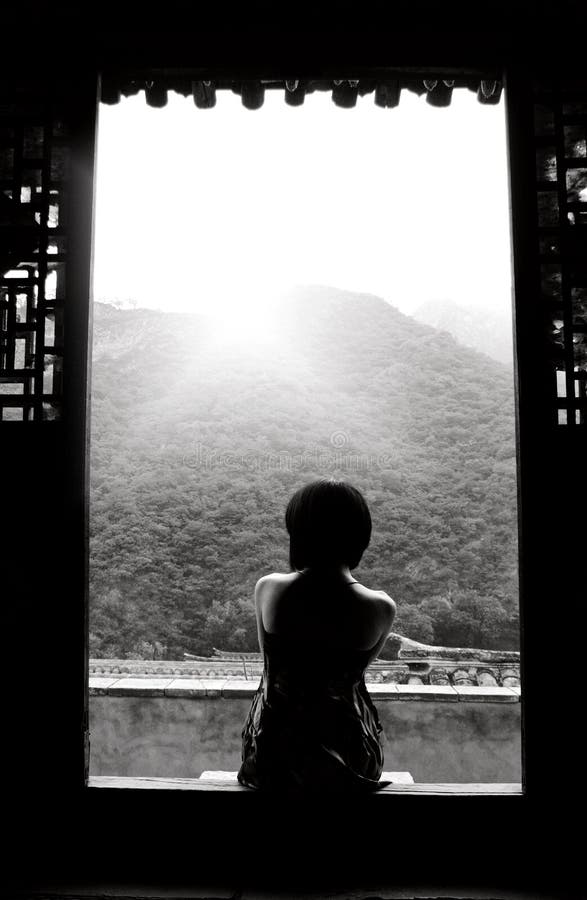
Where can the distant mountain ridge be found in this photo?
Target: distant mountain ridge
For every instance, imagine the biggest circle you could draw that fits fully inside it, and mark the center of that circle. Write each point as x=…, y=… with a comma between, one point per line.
x=485, y=330
x=197, y=446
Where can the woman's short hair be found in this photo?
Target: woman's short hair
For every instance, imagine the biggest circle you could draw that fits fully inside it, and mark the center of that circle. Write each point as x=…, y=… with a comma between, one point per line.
x=328, y=522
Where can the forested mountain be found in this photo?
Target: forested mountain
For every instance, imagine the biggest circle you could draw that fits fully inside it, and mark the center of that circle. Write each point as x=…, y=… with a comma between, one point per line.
x=198, y=443
x=485, y=330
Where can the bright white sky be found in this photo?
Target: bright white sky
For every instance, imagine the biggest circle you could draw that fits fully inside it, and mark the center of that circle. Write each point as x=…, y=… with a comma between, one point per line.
x=200, y=207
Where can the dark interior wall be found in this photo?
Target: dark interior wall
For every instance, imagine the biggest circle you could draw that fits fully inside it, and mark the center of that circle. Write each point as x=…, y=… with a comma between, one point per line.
x=321, y=34
x=57, y=831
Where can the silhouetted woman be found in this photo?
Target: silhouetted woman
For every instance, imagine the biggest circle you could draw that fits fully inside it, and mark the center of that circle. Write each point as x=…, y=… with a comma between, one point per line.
x=312, y=724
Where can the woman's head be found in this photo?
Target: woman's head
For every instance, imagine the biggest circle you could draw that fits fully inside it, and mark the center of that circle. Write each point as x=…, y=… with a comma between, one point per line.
x=328, y=524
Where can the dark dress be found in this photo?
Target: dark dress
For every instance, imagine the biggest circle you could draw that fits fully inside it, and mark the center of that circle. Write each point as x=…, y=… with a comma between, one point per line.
x=312, y=724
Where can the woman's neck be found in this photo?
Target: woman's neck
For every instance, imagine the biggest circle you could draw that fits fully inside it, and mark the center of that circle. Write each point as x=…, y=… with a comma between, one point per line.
x=335, y=572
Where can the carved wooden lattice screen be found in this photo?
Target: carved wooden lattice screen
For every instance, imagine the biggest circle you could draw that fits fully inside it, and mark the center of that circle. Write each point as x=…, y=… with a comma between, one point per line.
x=34, y=170
x=560, y=116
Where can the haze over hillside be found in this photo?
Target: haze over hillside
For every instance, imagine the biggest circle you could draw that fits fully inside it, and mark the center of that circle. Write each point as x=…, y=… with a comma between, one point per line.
x=201, y=434
x=489, y=331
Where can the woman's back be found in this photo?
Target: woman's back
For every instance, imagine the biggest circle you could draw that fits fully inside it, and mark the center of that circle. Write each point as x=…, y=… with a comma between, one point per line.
x=312, y=723
x=322, y=609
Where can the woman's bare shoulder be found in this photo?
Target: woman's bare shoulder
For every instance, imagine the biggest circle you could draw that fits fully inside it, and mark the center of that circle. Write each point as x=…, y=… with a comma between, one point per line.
x=379, y=600
x=371, y=594
x=274, y=583
x=277, y=578
x=268, y=592
x=385, y=599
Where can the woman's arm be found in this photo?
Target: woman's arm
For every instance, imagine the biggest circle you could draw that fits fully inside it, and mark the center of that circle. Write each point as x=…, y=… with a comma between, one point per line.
x=386, y=612
x=260, y=589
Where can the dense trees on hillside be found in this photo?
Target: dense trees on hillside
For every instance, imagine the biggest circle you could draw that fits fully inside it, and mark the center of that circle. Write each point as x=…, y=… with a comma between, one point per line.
x=198, y=444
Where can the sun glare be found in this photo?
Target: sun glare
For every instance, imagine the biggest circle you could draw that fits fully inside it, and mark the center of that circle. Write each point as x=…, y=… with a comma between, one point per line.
x=244, y=325
x=243, y=199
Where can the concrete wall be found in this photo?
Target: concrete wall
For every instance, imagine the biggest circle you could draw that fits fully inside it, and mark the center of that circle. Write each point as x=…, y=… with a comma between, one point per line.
x=458, y=742
x=179, y=737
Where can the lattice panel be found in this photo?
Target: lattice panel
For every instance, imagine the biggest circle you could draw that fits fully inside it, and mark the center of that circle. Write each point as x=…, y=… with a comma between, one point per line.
x=561, y=171
x=34, y=171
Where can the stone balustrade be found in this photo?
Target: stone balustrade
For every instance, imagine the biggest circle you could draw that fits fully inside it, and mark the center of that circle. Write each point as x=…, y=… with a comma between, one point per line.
x=129, y=685
x=410, y=663
x=450, y=672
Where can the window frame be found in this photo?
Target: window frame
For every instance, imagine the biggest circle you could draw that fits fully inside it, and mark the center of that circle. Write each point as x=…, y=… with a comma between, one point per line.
x=477, y=791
